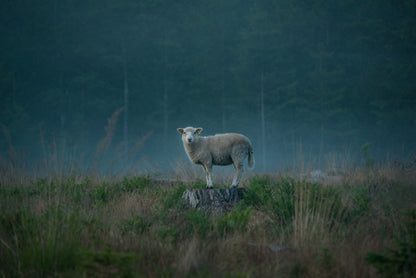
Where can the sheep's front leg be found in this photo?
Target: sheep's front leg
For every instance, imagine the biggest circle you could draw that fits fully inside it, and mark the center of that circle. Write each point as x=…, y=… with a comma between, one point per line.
x=239, y=168
x=207, y=169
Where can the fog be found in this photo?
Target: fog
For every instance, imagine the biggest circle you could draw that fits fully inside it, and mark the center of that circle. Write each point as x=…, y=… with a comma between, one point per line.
x=104, y=85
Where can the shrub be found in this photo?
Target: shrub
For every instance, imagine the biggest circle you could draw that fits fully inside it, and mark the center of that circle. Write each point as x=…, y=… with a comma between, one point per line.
x=169, y=235
x=297, y=205
x=200, y=223
x=234, y=221
x=173, y=198
x=102, y=193
x=139, y=183
x=136, y=224
x=107, y=263
x=400, y=261
x=44, y=244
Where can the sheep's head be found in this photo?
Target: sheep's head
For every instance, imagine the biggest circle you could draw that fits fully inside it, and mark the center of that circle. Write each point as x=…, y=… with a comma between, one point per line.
x=190, y=134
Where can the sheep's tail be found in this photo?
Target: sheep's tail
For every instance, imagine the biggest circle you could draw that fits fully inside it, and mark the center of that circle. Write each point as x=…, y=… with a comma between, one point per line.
x=250, y=158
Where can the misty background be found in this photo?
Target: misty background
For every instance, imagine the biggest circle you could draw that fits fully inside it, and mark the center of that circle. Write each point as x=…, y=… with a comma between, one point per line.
x=106, y=83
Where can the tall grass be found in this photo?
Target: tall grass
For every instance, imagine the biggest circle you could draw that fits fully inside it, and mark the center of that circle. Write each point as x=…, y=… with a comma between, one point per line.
x=140, y=227
x=60, y=220
x=60, y=158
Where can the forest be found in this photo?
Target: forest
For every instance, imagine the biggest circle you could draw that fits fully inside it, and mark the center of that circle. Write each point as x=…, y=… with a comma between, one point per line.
x=112, y=80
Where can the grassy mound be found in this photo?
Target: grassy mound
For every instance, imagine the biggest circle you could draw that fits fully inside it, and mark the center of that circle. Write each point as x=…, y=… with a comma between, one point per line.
x=138, y=227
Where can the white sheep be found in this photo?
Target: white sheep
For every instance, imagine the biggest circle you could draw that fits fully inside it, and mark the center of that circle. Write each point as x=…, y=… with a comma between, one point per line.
x=220, y=149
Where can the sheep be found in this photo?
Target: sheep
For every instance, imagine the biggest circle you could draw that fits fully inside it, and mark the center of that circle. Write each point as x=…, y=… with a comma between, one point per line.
x=220, y=149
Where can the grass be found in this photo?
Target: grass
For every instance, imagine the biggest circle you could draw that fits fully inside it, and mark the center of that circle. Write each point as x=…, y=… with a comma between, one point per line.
x=135, y=226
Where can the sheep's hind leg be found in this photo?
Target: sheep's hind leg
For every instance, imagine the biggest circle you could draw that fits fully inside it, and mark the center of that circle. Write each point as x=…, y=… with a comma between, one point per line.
x=239, y=168
x=207, y=169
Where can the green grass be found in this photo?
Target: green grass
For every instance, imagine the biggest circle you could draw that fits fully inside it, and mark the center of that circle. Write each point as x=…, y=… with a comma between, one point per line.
x=138, y=227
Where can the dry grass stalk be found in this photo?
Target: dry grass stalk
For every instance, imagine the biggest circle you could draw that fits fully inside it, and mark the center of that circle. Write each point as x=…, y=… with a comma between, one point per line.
x=104, y=143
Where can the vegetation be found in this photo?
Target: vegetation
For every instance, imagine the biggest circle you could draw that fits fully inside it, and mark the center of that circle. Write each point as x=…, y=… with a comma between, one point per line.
x=399, y=261
x=139, y=227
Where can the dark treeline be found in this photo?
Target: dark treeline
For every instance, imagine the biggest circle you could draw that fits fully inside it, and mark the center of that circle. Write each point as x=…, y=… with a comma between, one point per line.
x=327, y=76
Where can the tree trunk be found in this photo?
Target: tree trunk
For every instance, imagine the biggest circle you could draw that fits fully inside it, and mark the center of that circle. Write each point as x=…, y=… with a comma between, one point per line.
x=165, y=100
x=223, y=63
x=263, y=124
x=126, y=103
x=224, y=127
x=214, y=201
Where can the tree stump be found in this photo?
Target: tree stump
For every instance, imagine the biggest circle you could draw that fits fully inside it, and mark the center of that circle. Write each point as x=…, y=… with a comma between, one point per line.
x=213, y=201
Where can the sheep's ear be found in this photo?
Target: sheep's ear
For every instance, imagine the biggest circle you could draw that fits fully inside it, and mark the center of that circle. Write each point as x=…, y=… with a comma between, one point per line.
x=199, y=130
x=180, y=130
